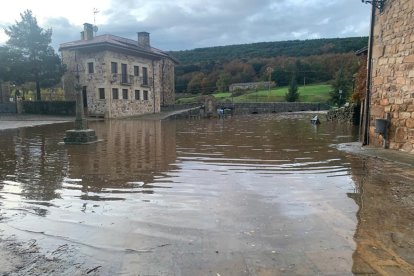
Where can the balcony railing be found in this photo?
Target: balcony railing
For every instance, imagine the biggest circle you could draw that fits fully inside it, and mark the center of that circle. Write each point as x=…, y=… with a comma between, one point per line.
x=130, y=80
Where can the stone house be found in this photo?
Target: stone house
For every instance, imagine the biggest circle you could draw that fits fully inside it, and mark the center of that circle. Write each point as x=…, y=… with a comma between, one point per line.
x=119, y=77
x=252, y=85
x=392, y=77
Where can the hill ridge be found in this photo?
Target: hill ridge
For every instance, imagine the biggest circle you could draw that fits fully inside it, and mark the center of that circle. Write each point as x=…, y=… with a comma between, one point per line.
x=288, y=48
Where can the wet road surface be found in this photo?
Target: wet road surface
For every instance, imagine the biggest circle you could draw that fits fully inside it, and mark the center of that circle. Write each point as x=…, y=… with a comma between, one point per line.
x=249, y=195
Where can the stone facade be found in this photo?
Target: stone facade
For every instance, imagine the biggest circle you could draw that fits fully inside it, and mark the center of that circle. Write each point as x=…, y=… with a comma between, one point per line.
x=393, y=74
x=119, y=77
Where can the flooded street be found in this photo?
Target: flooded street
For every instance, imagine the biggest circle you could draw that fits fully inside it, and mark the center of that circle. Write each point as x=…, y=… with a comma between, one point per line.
x=248, y=195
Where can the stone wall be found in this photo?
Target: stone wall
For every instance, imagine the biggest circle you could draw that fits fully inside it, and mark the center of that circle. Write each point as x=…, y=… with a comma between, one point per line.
x=259, y=108
x=167, y=82
x=349, y=115
x=393, y=74
x=252, y=85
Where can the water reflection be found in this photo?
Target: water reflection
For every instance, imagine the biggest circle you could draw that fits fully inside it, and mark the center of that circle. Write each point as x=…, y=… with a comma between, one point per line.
x=35, y=170
x=384, y=235
x=29, y=168
x=132, y=155
x=265, y=194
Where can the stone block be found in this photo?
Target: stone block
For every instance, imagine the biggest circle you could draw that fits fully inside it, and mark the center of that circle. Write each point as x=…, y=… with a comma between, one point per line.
x=400, y=135
x=399, y=101
x=407, y=147
x=378, y=81
x=387, y=109
x=394, y=146
x=409, y=59
x=79, y=137
x=404, y=115
x=401, y=80
x=384, y=102
x=377, y=111
x=399, y=60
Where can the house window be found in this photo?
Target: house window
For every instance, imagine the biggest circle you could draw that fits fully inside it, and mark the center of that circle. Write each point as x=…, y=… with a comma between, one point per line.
x=102, y=93
x=124, y=72
x=145, y=95
x=136, y=70
x=137, y=95
x=90, y=68
x=114, y=68
x=115, y=95
x=144, y=76
x=125, y=94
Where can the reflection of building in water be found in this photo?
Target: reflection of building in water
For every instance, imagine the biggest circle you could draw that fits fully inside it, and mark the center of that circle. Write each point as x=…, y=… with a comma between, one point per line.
x=384, y=235
x=32, y=164
x=132, y=151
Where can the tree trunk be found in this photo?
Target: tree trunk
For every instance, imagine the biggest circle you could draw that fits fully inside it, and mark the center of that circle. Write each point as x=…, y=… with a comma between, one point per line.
x=38, y=96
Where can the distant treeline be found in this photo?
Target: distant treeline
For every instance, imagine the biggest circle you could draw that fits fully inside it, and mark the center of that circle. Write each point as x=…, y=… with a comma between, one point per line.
x=207, y=70
x=292, y=48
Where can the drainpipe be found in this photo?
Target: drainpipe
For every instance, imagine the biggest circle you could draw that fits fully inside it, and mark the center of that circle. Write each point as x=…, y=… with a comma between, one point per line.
x=365, y=140
x=153, y=83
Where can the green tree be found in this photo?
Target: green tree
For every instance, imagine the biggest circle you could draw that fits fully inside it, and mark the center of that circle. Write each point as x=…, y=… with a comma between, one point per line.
x=341, y=85
x=4, y=64
x=292, y=95
x=223, y=82
x=195, y=85
x=35, y=60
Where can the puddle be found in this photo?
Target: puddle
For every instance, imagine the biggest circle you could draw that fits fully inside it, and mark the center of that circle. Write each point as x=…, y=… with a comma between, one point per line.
x=178, y=197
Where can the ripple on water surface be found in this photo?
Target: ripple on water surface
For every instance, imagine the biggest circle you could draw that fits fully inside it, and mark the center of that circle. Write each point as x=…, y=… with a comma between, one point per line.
x=197, y=186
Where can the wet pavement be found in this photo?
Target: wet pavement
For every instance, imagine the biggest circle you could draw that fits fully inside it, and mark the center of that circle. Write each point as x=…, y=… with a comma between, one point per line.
x=12, y=121
x=248, y=195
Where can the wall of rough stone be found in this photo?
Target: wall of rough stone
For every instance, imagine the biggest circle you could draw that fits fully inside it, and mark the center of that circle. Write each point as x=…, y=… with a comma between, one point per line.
x=168, y=82
x=249, y=108
x=347, y=114
x=393, y=74
x=160, y=80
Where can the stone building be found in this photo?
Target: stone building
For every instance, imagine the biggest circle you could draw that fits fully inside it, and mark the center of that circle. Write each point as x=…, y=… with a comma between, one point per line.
x=392, y=89
x=119, y=77
x=252, y=85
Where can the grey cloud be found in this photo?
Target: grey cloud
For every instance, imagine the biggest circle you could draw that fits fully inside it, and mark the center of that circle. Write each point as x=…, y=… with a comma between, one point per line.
x=62, y=30
x=188, y=24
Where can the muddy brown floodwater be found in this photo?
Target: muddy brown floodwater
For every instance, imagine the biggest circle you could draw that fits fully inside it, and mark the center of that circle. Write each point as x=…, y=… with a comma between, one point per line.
x=248, y=195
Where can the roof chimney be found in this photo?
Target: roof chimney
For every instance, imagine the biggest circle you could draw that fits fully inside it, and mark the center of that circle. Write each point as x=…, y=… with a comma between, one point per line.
x=144, y=39
x=87, y=33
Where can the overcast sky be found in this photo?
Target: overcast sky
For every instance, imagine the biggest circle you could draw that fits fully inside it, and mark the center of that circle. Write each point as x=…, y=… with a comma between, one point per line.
x=189, y=24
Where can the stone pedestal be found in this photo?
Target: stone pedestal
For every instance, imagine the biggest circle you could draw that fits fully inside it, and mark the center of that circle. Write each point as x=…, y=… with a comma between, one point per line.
x=80, y=136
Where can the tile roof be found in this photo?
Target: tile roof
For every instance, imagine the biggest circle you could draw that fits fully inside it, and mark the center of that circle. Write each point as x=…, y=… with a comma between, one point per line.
x=118, y=42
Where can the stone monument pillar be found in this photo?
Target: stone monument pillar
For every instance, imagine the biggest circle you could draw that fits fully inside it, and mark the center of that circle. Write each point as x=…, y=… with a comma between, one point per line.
x=81, y=134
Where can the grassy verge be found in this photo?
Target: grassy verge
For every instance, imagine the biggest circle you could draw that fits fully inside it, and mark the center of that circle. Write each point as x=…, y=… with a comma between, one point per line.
x=308, y=93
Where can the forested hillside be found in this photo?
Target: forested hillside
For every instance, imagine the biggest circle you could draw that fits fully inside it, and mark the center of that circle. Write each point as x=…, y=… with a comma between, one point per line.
x=207, y=70
x=292, y=48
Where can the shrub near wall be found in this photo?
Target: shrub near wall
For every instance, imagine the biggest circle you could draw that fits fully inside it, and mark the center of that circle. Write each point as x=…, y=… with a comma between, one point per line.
x=349, y=114
x=50, y=107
